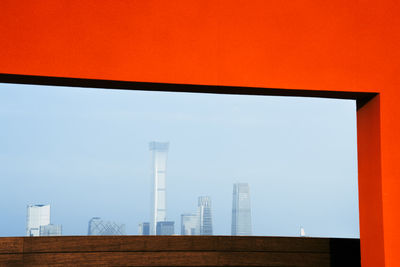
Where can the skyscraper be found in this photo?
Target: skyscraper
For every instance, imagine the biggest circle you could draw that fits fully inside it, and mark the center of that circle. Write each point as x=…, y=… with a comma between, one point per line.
x=205, y=217
x=241, y=210
x=50, y=230
x=37, y=215
x=144, y=229
x=97, y=226
x=190, y=224
x=165, y=228
x=159, y=153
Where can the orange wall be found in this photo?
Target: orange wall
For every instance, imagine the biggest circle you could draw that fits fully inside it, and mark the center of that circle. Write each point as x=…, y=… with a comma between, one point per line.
x=309, y=44
x=370, y=184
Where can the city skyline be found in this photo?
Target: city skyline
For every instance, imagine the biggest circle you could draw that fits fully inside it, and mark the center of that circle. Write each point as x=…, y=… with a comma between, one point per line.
x=92, y=144
x=198, y=223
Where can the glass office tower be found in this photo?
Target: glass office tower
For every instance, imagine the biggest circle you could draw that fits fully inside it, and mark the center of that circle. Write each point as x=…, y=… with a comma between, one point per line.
x=144, y=228
x=205, y=217
x=37, y=215
x=190, y=224
x=165, y=228
x=241, y=211
x=159, y=152
x=51, y=230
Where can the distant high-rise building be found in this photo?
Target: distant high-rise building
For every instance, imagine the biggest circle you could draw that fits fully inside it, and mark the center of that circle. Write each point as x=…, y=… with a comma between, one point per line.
x=241, y=210
x=51, y=230
x=165, y=228
x=205, y=217
x=144, y=229
x=159, y=152
x=190, y=224
x=302, y=232
x=97, y=226
x=37, y=215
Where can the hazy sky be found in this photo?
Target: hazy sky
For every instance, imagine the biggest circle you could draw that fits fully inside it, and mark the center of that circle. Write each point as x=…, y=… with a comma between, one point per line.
x=85, y=152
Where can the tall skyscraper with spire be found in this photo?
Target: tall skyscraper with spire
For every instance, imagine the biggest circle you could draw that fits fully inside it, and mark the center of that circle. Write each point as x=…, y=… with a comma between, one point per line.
x=241, y=210
x=205, y=216
x=159, y=153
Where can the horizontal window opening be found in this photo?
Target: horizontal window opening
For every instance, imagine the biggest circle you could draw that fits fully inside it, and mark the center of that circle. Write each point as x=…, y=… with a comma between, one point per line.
x=79, y=161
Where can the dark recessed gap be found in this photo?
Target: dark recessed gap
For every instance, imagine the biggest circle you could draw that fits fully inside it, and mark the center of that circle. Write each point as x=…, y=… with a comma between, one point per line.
x=361, y=98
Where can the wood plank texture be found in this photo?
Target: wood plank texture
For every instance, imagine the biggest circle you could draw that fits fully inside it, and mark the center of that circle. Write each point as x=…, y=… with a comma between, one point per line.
x=179, y=259
x=11, y=245
x=178, y=251
x=11, y=259
x=175, y=243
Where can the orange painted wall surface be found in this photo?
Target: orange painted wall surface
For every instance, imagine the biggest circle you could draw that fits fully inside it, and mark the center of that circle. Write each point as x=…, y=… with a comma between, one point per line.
x=317, y=45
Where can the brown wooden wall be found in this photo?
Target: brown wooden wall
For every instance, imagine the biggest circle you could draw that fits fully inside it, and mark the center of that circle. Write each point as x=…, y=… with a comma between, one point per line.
x=178, y=251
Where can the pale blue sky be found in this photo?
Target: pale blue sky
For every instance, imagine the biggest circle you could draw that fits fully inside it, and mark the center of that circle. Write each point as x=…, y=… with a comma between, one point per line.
x=85, y=152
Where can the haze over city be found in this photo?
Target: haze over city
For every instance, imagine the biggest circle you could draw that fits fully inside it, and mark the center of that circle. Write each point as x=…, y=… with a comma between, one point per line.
x=85, y=152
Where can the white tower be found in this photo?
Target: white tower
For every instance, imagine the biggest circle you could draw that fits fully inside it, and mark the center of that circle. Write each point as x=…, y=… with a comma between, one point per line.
x=37, y=215
x=159, y=152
